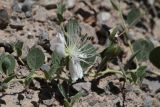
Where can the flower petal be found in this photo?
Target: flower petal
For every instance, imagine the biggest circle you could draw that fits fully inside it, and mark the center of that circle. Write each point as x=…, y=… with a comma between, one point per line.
x=60, y=49
x=75, y=69
x=60, y=38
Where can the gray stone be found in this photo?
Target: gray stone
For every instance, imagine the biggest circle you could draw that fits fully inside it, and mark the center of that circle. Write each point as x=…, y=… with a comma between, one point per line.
x=27, y=5
x=148, y=101
x=40, y=14
x=49, y=4
x=153, y=85
x=89, y=31
x=71, y=3
x=82, y=86
x=4, y=18
x=103, y=16
x=16, y=6
x=16, y=23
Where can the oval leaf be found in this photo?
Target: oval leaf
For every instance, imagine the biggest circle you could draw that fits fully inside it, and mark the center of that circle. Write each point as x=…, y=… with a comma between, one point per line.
x=35, y=58
x=7, y=64
x=154, y=57
x=145, y=47
x=133, y=16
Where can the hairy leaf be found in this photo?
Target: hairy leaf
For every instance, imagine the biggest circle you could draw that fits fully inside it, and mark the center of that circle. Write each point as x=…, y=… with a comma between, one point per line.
x=145, y=47
x=7, y=64
x=133, y=16
x=35, y=58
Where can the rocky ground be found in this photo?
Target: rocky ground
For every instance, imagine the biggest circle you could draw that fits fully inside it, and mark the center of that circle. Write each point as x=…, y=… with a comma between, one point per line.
x=35, y=21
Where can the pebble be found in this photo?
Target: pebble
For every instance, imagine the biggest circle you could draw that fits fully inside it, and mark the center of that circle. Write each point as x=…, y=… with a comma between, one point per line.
x=4, y=18
x=40, y=14
x=16, y=6
x=27, y=5
x=103, y=16
x=71, y=3
x=49, y=4
x=82, y=86
x=148, y=101
x=16, y=23
x=89, y=31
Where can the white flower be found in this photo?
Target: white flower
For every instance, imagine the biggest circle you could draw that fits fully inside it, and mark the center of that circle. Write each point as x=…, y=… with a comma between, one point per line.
x=60, y=45
x=75, y=48
x=75, y=69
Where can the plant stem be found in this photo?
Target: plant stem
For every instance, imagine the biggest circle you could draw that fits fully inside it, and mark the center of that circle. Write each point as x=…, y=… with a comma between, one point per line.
x=21, y=61
x=109, y=71
x=17, y=80
x=123, y=93
x=131, y=48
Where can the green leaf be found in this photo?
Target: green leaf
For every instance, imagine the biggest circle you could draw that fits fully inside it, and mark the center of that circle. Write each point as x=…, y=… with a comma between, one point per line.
x=66, y=103
x=114, y=4
x=133, y=16
x=108, y=54
x=8, y=79
x=76, y=97
x=56, y=64
x=154, y=57
x=112, y=51
x=18, y=48
x=145, y=47
x=29, y=78
x=134, y=77
x=127, y=65
x=27, y=81
x=60, y=10
x=141, y=73
x=91, y=51
x=35, y=58
x=73, y=28
x=7, y=64
x=61, y=89
x=3, y=86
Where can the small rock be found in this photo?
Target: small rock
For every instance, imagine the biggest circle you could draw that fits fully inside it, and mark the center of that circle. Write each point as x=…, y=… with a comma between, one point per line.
x=27, y=5
x=28, y=14
x=151, y=2
x=16, y=23
x=103, y=16
x=148, y=101
x=83, y=86
x=45, y=67
x=40, y=14
x=16, y=6
x=71, y=3
x=49, y=4
x=48, y=102
x=4, y=18
x=44, y=36
x=36, y=84
x=89, y=30
x=29, y=94
x=153, y=85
